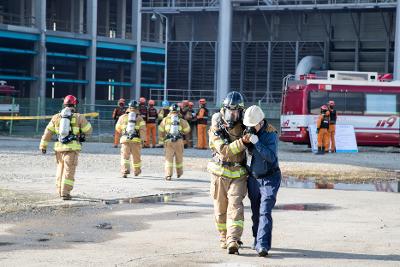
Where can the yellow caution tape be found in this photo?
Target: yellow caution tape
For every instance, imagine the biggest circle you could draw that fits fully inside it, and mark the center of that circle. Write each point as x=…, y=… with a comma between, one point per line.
x=20, y=118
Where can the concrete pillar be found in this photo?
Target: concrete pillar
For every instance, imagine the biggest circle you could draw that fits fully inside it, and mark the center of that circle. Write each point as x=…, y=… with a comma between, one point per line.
x=91, y=15
x=224, y=50
x=38, y=88
x=296, y=61
x=72, y=16
x=243, y=47
x=268, y=100
x=136, y=71
x=107, y=17
x=22, y=12
x=190, y=66
x=396, y=70
x=80, y=77
x=121, y=18
x=80, y=10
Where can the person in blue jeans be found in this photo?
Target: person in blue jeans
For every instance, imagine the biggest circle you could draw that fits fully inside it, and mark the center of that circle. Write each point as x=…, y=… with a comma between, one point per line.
x=264, y=175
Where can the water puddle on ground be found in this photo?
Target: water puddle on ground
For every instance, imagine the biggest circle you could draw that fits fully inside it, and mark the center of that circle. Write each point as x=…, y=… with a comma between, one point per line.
x=158, y=198
x=305, y=207
x=388, y=186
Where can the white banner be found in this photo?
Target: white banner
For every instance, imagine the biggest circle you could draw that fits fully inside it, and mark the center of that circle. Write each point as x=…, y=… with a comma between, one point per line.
x=345, y=138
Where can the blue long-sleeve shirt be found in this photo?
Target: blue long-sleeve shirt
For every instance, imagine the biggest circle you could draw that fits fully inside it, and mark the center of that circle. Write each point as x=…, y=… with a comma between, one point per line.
x=264, y=158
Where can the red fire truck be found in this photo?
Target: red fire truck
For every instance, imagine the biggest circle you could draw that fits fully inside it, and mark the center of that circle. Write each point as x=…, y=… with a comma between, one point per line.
x=366, y=100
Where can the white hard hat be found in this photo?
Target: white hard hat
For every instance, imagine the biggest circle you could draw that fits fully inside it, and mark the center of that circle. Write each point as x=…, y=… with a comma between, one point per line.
x=253, y=116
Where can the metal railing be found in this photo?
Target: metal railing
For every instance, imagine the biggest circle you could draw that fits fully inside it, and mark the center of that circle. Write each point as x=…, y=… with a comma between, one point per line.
x=176, y=95
x=179, y=3
x=16, y=19
x=214, y=3
x=65, y=26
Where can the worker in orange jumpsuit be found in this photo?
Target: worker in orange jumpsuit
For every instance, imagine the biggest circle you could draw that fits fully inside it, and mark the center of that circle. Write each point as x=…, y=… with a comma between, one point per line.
x=151, y=125
x=133, y=129
x=118, y=112
x=322, y=130
x=71, y=129
x=171, y=132
x=188, y=116
x=332, y=126
x=202, y=120
x=143, y=110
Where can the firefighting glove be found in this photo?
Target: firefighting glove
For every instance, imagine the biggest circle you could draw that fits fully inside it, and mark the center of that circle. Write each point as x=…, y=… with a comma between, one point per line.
x=253, y=139
x=43, y=150
x=317, y=130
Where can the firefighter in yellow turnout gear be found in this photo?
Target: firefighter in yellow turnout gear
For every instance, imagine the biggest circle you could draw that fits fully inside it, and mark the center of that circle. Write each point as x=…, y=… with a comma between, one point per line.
x=229, y=175
x=171, y=131
x=71, y=128
x=133, y=130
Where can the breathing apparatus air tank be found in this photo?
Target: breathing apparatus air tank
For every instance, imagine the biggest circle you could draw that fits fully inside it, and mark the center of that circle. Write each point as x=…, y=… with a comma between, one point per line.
x=130, y=128
x=65, y=123
x=174, y=130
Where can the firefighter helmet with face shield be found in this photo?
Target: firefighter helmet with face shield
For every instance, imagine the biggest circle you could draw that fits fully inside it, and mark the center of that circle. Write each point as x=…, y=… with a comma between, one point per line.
x=174, y=108
x=133, y=104
x=232, y=109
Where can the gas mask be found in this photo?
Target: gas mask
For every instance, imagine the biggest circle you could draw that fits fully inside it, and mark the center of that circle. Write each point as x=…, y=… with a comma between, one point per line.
x=231, y=116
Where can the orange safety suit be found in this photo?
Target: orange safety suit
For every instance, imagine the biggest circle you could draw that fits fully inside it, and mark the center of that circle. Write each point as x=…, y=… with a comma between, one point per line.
x=332, y=129
x=202, y=120
x=229, y=181
x=131, y=145
x=323, y=134
x=66, y=153
x=117, y=112
x=173, y=145
x=151, y=126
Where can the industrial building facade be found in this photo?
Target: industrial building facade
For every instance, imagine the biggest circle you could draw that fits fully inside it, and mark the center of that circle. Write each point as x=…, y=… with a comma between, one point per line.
x=50, y=48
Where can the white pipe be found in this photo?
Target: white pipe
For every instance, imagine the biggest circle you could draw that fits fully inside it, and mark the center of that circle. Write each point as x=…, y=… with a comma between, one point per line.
x=224, y=50
x=307, y=64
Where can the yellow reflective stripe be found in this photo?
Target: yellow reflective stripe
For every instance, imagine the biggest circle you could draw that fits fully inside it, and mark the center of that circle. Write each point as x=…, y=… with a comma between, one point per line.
x=218, y=142
x=187, y=129
x=238, y=223
x=221, y=171
x=73, y=119
x=221, y=226
x=74, y=145
x=43, y=143
x=233, y=147
x=125, y=162
x=137, y=165
x=86, y=128
x=137, y=127
x=69, y=182
x=124, y=139
x=179, y=165
x=169, y=164
x=75, y=130
x=51, y=128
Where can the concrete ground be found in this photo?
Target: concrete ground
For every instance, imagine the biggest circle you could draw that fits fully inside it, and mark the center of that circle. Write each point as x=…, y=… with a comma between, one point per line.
x=311, y=227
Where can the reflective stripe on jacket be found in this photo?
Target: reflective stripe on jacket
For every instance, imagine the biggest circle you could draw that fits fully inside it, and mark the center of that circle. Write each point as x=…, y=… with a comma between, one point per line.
x=231, y=152
x=140, y=128
x=79, y=125
x=165, y=126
